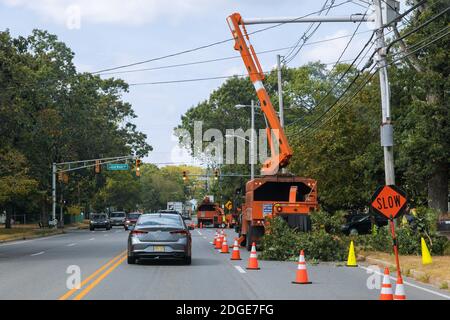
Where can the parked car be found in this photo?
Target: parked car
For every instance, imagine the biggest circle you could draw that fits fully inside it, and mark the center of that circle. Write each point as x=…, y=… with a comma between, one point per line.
x=99, y=220
x=160, y=236
x=117, y=218
x=131, y=219
x=362, y=223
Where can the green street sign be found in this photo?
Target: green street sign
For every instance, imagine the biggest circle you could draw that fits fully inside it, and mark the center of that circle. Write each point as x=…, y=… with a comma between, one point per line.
x=118, y=167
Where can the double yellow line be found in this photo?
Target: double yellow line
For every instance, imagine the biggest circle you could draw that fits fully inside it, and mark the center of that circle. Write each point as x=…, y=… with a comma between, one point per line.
x=102, y=273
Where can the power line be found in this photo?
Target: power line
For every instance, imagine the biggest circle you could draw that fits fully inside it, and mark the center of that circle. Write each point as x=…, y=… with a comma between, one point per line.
x=227, y=58
x=305, y=37
x=208, y=45
x=312, y=129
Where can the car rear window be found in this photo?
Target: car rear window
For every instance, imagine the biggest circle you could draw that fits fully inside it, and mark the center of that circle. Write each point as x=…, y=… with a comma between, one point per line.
x=117, y=214
x=163, y=220
x=134, y=215
x=99, y=216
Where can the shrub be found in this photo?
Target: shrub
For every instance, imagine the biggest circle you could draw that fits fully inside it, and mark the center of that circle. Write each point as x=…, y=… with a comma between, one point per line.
x=331, y=223
x=283, y=243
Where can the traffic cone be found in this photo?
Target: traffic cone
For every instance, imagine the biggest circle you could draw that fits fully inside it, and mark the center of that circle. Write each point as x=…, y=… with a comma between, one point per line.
x=426, y=256
x=236, y=254
x=215, y=239
x=302, y=274
x=351, y=261
x=224, y=245
x=219, y=242
x=399, y=290
x=253, y=260
x=386, y=288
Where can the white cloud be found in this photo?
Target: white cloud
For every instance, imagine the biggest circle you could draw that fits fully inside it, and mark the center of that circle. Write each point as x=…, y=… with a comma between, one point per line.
x=129, y=12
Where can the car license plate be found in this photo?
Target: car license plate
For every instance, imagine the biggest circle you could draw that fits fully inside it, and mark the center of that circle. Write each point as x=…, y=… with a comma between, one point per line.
x=159, y=249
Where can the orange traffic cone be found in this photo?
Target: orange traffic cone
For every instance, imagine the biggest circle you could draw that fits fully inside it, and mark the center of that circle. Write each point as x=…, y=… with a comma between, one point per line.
x=386, y=288
x=219, y=242
x=215, y=239
x=399, y=290
x=302, y=273
x=224, y=245
x=236, y=255
x=253, y=260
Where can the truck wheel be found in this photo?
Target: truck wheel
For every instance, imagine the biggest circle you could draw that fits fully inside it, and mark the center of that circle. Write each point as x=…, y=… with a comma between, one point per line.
x=248, y=238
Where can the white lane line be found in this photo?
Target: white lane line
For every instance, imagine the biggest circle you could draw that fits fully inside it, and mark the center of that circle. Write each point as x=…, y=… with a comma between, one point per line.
x=37, y=254
x=31, y=240
x=71, y=244
x=410, y=284
x=91, y=239
x=105, y=235
x=118, y=231
x=206, y=238
x=199, y=233
x=239, y=268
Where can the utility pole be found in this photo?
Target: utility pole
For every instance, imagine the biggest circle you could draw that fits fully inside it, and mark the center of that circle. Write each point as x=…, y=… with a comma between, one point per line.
x=387, y=129
x=252, y=143
x=54, y=191
x=280, y=91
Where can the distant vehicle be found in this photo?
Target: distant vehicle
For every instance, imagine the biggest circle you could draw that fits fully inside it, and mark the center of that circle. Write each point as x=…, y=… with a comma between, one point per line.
x=362, y=224
x=131, y=219
x=99, y=220
x=160, y=236
x=117, y=218
x=210, y=213
x=177, y=206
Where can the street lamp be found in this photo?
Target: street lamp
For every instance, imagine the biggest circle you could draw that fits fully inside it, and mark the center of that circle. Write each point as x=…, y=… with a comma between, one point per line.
x=252, y=138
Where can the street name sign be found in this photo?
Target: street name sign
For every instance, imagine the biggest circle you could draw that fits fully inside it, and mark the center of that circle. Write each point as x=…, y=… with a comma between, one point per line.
x=118, y=167
x=389, y=201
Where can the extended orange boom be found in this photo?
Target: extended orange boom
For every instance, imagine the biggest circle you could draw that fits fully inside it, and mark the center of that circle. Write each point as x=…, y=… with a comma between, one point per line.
x=243, y=45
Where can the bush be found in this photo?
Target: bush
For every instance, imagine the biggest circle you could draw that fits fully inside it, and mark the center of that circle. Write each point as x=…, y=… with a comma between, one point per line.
x=283, y=243
x=331, y=223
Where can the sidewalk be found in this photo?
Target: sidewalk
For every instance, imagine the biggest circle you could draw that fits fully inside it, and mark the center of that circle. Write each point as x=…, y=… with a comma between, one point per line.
x=436, y=274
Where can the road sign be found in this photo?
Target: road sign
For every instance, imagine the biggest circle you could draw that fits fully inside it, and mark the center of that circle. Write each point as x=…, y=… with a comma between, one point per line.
x=118, y=167
x=267, y=209
x=389, y=201
x=229, y=205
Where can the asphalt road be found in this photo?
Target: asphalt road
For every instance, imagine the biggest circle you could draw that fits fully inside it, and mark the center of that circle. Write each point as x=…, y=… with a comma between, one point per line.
x=37, y=269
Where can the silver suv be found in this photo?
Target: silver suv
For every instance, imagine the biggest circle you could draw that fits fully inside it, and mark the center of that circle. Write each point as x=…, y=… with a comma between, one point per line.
x=117, y=218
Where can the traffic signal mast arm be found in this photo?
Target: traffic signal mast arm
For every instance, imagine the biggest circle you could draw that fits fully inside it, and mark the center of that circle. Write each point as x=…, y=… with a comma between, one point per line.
x=243, y=45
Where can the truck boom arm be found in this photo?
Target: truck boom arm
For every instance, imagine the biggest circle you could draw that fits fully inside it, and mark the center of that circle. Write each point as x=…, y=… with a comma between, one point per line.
x=279, y=159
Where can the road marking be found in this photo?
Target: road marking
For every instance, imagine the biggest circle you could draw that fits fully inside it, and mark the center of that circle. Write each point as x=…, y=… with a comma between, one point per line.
x=239, y=268
x=91, y=239
x=411, y=284
x=105, y=235
x=99, y=279
x=199, y=232
x=38, y=254
x=31, y=240
x=71, y=244
x=85, y=281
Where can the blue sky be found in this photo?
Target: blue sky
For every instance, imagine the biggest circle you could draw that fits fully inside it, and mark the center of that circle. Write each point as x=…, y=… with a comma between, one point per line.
x=117, y=32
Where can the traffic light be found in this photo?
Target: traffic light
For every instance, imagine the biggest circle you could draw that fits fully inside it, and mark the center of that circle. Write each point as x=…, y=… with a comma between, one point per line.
x=138, y=167
x=216, y=175
x=98, y=167
x=60, y=177
x=185, y=176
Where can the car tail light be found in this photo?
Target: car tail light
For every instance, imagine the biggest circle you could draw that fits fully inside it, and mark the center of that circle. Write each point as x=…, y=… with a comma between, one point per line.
x=137, y=232
x=179, y=232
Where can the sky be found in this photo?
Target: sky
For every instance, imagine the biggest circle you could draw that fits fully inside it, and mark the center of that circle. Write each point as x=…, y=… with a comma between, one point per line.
x=110, y=33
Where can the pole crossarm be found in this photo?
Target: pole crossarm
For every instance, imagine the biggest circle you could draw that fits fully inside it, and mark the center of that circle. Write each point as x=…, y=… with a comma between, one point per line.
x=103, y=161
x=357, y=17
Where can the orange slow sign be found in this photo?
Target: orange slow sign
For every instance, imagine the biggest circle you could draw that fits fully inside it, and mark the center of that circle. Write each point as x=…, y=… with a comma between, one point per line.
x=389, y=201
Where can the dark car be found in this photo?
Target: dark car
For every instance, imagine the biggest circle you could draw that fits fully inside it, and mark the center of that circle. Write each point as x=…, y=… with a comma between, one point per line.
x=131, y=219
x=362, y=224
x=117, y=218
x=99, y=220
x=160, y=236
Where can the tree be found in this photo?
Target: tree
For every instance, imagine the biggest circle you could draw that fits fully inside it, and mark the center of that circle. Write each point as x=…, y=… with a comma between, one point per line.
x=15, y=183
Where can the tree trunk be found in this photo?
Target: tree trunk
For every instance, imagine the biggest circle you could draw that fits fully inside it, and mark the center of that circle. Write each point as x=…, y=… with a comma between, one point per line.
x=438, y=188
x=8, y=217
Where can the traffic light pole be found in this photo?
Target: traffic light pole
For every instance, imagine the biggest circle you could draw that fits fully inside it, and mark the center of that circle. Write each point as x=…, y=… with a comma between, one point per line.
x=83, y=164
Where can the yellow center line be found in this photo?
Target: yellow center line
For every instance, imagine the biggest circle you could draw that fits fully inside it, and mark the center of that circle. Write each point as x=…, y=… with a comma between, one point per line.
x=99, y=279
x=70, y=292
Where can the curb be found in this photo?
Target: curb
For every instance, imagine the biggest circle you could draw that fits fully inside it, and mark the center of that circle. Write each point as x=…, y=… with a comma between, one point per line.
x=417, y=275
x=32, y=237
